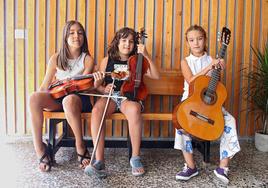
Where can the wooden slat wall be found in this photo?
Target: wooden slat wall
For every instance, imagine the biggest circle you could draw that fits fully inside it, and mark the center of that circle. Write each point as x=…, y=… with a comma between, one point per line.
x=23, y=61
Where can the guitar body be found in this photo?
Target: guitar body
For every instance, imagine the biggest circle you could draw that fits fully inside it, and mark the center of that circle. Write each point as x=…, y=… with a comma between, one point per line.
x=201, y=116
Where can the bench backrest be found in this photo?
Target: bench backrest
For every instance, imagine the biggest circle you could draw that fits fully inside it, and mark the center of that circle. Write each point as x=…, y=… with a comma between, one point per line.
x=170, y=83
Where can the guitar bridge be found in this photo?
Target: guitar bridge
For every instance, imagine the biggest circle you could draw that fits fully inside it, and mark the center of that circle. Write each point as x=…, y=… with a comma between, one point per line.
x=201, y=117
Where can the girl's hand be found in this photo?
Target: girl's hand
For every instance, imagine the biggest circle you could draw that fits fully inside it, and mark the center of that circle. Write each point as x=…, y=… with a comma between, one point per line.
x=98, y=78
x=217, y=63
x=142, y=50
x=108, y=88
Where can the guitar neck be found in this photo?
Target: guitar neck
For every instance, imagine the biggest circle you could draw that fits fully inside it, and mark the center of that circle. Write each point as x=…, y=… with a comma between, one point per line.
x=216, y=73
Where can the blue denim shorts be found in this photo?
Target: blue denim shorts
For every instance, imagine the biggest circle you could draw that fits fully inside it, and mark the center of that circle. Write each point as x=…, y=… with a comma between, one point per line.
x=118, y=101
x=86, y=104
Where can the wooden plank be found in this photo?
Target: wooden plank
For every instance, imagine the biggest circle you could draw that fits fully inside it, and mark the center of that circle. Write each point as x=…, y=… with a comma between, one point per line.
x=30, y=72
x=158, y=58
x=156, y=124
x=82, y=12
x=196, y=12
x=140, y=14
x=130, y=13
x=120, y=14
x=149, y=47
x=20, y=80
x=167, y=59
x=115, y=116
x=246, y=58
x=110, y=35
x=10, y=68
x=238, y=60
x=3, y=97
x=222, y=23
x=100, y=30
x=165, y=127
x=91, y=35
x=61, y=22
x=213, y=30
x=41, y=57
x=52, y=28
x=205, y=15
x=168, y=33
x=72, y=10
x=177, y=35
x=186, y=25
x=264, y=35
x=229, y=57
x=111, y=21
x=253, y=126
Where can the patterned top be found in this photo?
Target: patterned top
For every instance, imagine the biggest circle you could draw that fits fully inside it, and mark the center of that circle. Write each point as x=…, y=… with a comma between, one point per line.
x=115, y=66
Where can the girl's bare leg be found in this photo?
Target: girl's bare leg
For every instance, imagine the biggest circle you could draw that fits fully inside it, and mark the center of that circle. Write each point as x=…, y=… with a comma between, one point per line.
x=189, y=159
x=132, y=111
x=38, y=102
x=97, y=112
x=72, y=106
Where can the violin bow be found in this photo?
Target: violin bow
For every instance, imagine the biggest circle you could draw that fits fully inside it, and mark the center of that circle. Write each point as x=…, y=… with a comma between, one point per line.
x=99, y=132
x=99, y=95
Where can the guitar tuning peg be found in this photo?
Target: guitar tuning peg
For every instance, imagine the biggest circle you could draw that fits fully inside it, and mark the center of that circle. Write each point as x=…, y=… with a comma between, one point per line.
x=218, y=36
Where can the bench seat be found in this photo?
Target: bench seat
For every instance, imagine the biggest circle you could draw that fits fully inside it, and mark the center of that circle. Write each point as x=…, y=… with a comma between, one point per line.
x=169, y=84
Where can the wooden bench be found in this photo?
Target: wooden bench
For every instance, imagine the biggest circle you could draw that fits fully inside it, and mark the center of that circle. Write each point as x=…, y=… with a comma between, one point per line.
x=169, y=84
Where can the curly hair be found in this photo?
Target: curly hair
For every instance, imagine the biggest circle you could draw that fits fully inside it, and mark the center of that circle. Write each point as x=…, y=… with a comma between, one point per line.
x=113, y=51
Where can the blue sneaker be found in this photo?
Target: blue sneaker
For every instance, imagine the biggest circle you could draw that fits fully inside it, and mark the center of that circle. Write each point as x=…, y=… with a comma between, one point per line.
x=97, y=170
x=186, y=173
x=222, y=174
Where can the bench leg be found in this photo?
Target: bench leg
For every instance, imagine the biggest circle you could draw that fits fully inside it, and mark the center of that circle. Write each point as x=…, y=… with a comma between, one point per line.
x=204, y=148
x=51, y=139
x=206, y=151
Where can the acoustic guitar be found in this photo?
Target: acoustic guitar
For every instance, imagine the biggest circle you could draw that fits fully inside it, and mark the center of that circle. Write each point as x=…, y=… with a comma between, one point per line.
x=201, y=113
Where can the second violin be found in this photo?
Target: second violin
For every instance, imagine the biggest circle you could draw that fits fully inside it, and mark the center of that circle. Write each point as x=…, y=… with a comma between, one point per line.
x=134, y=88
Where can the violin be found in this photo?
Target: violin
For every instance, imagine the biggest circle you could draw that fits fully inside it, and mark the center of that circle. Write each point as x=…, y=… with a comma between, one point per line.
x=76, y=84
x=134, y=88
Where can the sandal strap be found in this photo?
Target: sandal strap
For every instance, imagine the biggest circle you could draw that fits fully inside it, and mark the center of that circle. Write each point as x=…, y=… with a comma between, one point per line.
x=46, y=155
x=84, y=156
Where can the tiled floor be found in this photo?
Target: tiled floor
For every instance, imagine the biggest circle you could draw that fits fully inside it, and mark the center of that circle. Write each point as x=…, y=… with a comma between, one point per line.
x=18, y=168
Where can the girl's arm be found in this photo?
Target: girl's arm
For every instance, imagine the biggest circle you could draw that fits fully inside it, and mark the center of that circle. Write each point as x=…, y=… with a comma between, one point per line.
x=152, y=72
x=88, y=64
x=188, y=75
x=99, y=86
x=50, y=73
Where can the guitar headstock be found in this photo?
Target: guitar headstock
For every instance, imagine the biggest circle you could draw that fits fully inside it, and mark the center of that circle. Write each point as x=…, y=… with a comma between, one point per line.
x=141, y=35
x=225, y=35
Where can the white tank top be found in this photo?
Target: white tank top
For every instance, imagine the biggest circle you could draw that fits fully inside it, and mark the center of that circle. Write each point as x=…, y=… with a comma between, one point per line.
x=196, y=65
x=76, y=67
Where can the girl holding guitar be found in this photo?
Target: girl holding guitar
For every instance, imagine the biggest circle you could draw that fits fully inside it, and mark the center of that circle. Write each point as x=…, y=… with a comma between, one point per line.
x=72, y=60
x=196, y=64
x=123, y=46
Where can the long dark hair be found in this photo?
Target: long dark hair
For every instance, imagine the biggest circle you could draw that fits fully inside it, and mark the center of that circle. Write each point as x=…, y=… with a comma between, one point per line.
x=113, y=51
x=200, y=29
x=62, y=62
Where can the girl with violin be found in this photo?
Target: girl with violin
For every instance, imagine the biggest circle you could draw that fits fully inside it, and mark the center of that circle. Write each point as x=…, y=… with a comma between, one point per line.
x=73, y=59
x=196, y=64
x=122, y=47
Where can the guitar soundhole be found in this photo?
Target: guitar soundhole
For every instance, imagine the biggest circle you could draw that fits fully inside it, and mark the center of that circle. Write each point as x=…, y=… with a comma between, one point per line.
x=208, y=97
